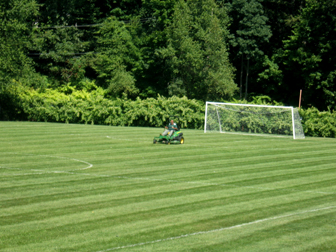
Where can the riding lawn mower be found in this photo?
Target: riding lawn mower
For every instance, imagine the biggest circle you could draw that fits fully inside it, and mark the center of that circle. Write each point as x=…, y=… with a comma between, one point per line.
x=176, y=137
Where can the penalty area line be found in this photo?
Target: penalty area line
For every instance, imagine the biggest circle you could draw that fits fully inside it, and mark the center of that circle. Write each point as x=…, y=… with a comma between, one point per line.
x=219, y=229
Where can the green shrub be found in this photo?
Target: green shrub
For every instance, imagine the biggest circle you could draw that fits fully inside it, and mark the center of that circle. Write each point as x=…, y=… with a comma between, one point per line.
x=73, y=106
x=90, y=106
x=318, y=124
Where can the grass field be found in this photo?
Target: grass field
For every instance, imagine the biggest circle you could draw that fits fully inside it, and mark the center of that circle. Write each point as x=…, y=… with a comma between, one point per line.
x=98, y=188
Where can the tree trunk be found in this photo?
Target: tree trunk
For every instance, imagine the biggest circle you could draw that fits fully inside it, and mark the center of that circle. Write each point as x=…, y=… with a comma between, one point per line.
x=241, y=77
x=247, y=73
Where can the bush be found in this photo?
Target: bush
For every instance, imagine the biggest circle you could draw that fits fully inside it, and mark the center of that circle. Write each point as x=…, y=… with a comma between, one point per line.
x=318, y=124
x=314, y=122
x=90, y=105
x=73, y=106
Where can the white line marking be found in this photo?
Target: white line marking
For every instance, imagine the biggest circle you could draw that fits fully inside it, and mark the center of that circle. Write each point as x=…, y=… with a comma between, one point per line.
x=218, y=230
x=77, y=160
x=89, y=165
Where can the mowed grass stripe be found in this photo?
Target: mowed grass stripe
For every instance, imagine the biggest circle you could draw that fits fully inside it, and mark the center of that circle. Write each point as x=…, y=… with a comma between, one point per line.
x=196, y=174
x=195, y=137
x=265, y=177
x=221, y=167
x=156, y=228
x=142, y=158
x=278, y=176
x=102, y=192
x=101, y=225
x=185, y=243
x=131, y=208
x=154, y=195
x=134, y=164
x=282, y=235
x=101, y=188
x=243, y=153
x=52, y=209
x=87, y=188
x=184, y=208
x=75, y=194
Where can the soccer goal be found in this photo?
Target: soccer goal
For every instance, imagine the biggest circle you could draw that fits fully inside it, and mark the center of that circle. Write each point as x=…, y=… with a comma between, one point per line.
x=252, y=119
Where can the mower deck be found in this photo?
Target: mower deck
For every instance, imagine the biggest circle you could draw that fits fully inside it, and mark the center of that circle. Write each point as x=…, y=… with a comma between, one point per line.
x=175, y=138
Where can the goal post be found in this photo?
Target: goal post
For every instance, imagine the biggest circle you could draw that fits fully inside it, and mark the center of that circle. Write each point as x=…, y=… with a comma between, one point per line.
x=253, y=119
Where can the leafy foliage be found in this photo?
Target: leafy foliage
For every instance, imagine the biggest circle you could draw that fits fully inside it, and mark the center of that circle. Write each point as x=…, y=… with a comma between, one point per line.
x=249, y=33
x=89, y=106
x=16, y=18
x=196, y=53
x=54, y=51
x=119, y=58
x=249, y=27
x=142, y=48
x=307, y=60
x=317, y=123
x=310, y=52
x=81, y=106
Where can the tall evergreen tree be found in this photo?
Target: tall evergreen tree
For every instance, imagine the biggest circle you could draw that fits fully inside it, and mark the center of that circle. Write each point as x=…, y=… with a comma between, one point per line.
x=155, y=17
x=119, y=59
x=250, y=32
x=196, y=55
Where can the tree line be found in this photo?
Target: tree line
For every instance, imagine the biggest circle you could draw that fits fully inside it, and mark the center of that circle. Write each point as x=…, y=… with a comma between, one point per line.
x=201, y=49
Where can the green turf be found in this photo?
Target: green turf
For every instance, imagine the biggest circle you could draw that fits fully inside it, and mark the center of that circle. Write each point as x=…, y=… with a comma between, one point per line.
x=99, y=188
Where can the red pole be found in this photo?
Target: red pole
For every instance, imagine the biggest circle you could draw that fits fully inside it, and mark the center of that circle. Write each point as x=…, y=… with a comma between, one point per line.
x=300, y=98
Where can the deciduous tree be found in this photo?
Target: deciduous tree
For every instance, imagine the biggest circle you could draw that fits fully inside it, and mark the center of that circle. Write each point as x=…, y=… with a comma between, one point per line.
x=16, y=19
x=310, y=53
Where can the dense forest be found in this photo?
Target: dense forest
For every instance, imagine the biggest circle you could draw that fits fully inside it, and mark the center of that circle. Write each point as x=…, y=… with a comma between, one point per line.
x=199, y=49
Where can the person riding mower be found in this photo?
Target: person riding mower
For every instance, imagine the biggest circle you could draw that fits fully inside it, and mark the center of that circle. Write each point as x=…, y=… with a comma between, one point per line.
x=172, y=134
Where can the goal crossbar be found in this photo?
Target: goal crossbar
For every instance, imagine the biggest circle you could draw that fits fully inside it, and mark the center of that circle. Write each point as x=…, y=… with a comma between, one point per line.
x=247, y=105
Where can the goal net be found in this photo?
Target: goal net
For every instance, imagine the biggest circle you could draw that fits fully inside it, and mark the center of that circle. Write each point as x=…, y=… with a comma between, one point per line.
x=252, y=119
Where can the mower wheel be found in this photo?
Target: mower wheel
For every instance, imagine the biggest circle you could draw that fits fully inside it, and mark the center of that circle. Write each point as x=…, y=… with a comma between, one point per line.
x=182, y=140
x=154, y=141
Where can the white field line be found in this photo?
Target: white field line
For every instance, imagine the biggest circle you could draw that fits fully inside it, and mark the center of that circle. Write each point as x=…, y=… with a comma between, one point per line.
x=219, y=229
x=89, y=165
